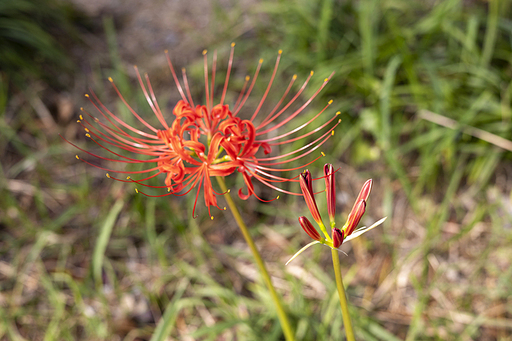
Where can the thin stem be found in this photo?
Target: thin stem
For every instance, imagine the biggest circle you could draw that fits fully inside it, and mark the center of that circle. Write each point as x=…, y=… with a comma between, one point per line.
x=343, y=298
x=285, y=324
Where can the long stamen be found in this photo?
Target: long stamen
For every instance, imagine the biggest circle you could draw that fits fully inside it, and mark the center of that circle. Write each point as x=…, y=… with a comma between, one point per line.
x=268, y=87
x=105, y=158
x=170, y=192
x=134, y=113
x=191, y=181
x=138, y=181
x=271, y=118
x=187, y=88
x=115, y=118
x=289, y=169
x=237, y=109
x=154, y=196
x=228, y=73
x=158, y=112
x=301, y=127
x=176, y=81
x=214, y=69
x=128, y=159
x=272, y=177
x=117, y=171
x=303, y=147
x=197, y=196
x=288, y=88
x=263, y=181
x=117, y=139
x=242, y=92
x=298, y=156
x=205, y=58
x=298, y=111
x=305, y=135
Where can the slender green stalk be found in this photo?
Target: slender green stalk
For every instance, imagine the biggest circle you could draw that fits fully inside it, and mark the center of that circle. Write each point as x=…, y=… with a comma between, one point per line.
x=343, y=298
x=285, y=324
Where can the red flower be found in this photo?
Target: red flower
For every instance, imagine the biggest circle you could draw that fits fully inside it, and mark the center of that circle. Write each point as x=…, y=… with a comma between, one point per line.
x=205, y=141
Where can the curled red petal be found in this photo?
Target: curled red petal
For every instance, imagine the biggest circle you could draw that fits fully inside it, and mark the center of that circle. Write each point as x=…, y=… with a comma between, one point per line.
x=266, y=148
x=250, y=186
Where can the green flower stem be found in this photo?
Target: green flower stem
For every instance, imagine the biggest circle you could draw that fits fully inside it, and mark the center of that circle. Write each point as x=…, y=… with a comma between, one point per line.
x=285, y=324
x=324, y=231
x=343, y=298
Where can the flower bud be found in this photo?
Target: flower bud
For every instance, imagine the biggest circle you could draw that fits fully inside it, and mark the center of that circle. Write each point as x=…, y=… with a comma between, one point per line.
x=365, y=191
x=306, y=185
x=354, y=217
x=337, y=237
x=330, y=191
x=309, y=228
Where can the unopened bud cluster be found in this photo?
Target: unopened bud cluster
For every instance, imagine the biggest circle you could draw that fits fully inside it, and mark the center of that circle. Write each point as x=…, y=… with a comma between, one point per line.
x=354, y=217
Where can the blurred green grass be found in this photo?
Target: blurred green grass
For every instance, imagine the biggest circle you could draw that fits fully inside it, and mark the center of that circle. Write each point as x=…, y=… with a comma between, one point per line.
x=83, y=257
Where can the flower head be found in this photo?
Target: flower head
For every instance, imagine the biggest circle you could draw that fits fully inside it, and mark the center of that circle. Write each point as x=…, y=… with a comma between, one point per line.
x=206, y=140
x=338, y=235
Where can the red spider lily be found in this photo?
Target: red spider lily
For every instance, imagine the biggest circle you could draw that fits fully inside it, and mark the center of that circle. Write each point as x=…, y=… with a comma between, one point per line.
x=338, y=235
x=205, y=141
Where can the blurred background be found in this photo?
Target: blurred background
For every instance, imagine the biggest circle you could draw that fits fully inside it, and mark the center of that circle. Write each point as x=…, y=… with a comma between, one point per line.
x=424, y=89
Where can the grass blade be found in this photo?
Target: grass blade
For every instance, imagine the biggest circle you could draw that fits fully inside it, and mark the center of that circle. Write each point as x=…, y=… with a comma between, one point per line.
x=102, y=241
x=164, y=327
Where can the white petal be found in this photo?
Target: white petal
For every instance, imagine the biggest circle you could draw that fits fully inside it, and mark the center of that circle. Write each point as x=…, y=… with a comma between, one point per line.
x=364, y=229
x=301, y=250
